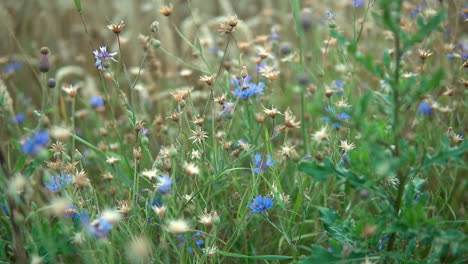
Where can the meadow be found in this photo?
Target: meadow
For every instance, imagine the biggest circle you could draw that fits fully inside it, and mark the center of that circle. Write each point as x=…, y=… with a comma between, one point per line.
x=217, y=131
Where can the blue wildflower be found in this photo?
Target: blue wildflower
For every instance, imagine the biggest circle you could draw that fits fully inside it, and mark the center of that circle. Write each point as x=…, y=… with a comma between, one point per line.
x=58, y=182
x=196, y=238
x=71, y=212
x=103, y=58
x=261, y=163
x=164, y=184
x=464, y=13
x=96, y=101
x=332, y=113
x=425, y=108
x=416, y=11
x=13, y=67
x=5, y=208
x=228, y=109
x=157, y=202
x=35, y=144
x=144, y=132
x=357, y=3
x=18, y=119
x=261, y=204
x=382, y=242
x=100, y=227
x=245, y=88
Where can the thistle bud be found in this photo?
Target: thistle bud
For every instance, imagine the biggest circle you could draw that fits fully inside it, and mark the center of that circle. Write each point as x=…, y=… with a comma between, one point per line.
x=51, y=83
x=44, y=64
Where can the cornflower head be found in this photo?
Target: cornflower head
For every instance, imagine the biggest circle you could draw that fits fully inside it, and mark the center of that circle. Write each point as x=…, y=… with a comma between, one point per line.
x=229, y=25
x=320, y=135
x=199, y=135
x=261, y=204
x=245, y=88
x=337, y=116
x=18, y=119
x=116, y=28
x=96, y=101
x=290, y=119
x=228, y=110
x=100, y=227
x=357, y=3
x=269, y=72
x=103, y=58
x=178, y=226
x=164, y=184
x=36, y=143
x=262, y=162
x=196, y=238
x=346, y=147
x=191, y=169
x=425, y=108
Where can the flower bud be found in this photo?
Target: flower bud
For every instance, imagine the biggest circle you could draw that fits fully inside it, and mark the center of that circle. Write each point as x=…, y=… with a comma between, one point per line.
x=51, y=83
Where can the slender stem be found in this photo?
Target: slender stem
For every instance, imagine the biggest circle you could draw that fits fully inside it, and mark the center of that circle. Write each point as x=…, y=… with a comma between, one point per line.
x=73, y=129
x=396, y=107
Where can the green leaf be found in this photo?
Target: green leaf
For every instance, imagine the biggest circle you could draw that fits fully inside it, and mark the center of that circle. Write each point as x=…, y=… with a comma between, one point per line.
x=78, y=5
x=320, y=255
x=317, y=171
x=266, y=257
x=296, y=8
x=20, y=163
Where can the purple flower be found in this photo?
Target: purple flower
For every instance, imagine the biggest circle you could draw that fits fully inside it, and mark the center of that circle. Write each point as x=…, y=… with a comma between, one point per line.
x=96, y=101
x=416, y=11
x=103, y=58
x=261, y=163
x=425, y=108
x=228, y=109
x=99, y=228
x=357, y=3
x=261, y=204
x=144, y=132
x=18, y=119
x=13, y=67
x=245, y=88
x=332, y=113
x=33, y=145
x=164, y=184
x=197, y=238
x=58, y=182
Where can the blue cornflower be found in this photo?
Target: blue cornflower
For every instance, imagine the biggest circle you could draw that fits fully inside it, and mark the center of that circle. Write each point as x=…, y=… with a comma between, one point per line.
x=416, y=11
x=261, y=204
x=332, y=113
x=144, y=132
x=5, y=208
x=425, y=108
x=157, y=202
x=197, y=239
x=58, y=182
x=464, y=13
x=228, y=109
x=35, y=144
x=357, y=3
x=71, y=212
x=96, y=101
x=103, y=58
x=245, y=88
x=18, y=119
x=13, y=67
x=261, y=163
x=164, y=184
x=100, y=227
x=382, y=242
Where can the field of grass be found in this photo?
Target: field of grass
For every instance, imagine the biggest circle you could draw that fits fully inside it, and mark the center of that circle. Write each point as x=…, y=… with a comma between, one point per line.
x=217, y=131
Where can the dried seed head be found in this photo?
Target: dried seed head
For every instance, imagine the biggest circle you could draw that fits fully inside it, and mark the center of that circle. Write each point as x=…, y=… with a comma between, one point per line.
x=424, y=54
x=178, y=226
x=81, y=179
x=191, y=169
x=166, y=10
x=139, y=126
x=117, y=28
x=137, y=154
x=198, y=120
x=228, y=26
x=290, y=119
x=71, y=90
x=208, y=79
x=160, y=211
x=124, y=207
x=260, y=117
